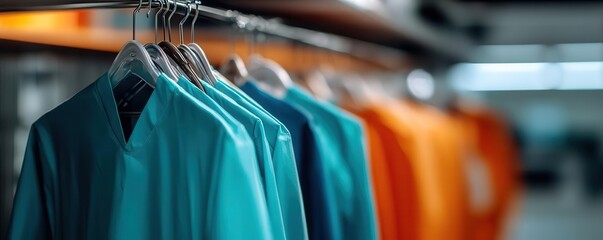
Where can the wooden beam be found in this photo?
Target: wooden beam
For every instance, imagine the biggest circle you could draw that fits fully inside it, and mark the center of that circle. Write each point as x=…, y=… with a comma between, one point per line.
x=218, y=45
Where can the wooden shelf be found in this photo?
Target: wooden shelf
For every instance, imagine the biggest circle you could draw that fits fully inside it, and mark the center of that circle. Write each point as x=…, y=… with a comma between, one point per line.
x=381, y=22
x=216, y=43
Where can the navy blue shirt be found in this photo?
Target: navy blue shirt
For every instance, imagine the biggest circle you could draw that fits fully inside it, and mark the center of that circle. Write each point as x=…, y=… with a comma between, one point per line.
x=306, y=154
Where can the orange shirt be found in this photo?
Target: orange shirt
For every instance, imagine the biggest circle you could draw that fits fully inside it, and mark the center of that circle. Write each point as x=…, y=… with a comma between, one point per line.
x=417, y=175
x=441, y=171
x=492, y=141
x=392, y=176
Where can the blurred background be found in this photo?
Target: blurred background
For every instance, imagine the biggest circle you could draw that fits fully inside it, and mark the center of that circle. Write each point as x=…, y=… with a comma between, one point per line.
x=538, y=64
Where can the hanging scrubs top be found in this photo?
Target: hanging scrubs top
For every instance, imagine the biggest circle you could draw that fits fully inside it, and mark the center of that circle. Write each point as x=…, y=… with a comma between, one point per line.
x=341, y=143
x=492, y=168
x=438, y=172
x=306, y=154
x=283, y=158
x=173, y=179
x=255, y=128
x=392, y=151
x=292, y=118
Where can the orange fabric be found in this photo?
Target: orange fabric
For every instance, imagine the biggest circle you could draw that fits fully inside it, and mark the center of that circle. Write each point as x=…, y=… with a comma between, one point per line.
x=382, y=186
x=492, y=140
x=392, y=176
x=417, y=172
x=441, y=170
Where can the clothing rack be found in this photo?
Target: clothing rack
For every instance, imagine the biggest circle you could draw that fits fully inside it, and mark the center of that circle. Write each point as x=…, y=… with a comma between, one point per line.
x=252, y=23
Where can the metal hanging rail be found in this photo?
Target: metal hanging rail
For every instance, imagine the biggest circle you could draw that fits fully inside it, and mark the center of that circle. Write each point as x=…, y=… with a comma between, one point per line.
x=273, y=27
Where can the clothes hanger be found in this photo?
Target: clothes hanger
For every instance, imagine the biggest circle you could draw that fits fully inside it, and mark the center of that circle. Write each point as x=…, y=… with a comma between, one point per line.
x=319, y=79
x=350, y=89
x=164, y=22
x=172, y=51
x=204, y=62
x=234, y=67
x=156, y=14
x=132, y=72
x=190, y=56
x=270, y=75
x=186, y=51
x=133, y=59
x=313, y=79
x=175, y=67
x=159, y=57
x=316, y=82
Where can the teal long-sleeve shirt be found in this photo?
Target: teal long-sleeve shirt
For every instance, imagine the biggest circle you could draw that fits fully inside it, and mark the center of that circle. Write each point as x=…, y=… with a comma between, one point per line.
x=174, y=178
x=255, y=128
x=341, y=145
x=285, y=167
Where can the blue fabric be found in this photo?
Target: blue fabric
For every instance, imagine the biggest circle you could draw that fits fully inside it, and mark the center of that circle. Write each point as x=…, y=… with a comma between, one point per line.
x=344, y=163
x=255, y=128
x=288, y=115
x=283, y=157
x=306, y=154
x=184, y=173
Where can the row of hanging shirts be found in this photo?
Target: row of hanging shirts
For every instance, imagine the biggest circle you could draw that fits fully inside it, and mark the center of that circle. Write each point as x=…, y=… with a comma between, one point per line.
x=445, y=172
x=163, y=146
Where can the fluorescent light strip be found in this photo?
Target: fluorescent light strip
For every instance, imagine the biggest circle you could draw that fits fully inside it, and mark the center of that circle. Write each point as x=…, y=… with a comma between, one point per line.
x=527, y=76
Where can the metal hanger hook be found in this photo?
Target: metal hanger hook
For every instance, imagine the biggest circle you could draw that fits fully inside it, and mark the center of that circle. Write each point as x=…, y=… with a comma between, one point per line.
x=181, y=25
x=157, y=17
x=136, y=10
x=164, y=22
x=169, y=22
x=150, y=8
x=195, y=20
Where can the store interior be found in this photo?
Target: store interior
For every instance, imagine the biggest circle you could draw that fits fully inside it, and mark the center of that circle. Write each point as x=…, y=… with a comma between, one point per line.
x=538, y=65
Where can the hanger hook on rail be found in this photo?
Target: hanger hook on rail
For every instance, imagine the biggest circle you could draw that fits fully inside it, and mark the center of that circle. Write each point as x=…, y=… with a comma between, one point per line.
x=157, y=17
x=195, y=20
x=150, y=8
x=170, y=21
x=181, y=25
x=136, y=10
x=164, y=22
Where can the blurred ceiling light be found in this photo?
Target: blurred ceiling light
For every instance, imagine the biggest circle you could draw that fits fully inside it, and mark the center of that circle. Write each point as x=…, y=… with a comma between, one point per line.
x=527, y=76
x=566, y=52
x=420, y=84
x=582, y=75
x=510, y=67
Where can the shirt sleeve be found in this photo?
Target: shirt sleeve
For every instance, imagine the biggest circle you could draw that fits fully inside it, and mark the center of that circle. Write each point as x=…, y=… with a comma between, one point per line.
x=30, y=216
x=289, y=188
x=237, y=208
